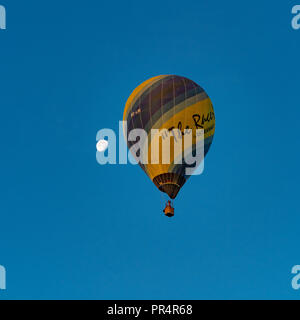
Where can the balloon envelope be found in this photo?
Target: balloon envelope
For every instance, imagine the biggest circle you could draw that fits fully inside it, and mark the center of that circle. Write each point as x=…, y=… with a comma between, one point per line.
x=169, y=102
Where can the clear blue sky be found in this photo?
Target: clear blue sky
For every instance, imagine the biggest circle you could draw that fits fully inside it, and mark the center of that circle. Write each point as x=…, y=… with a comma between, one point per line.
x=72, y=229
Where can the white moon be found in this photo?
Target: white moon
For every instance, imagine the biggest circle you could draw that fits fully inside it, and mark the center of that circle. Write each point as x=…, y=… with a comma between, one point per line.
x=102, y=145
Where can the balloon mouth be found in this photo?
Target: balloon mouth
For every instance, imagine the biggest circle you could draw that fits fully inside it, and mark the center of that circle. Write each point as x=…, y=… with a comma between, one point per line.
x=170, y=183
x=170, y=189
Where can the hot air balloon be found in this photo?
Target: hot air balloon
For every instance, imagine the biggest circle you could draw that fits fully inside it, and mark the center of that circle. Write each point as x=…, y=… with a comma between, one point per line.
x=169, y=102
